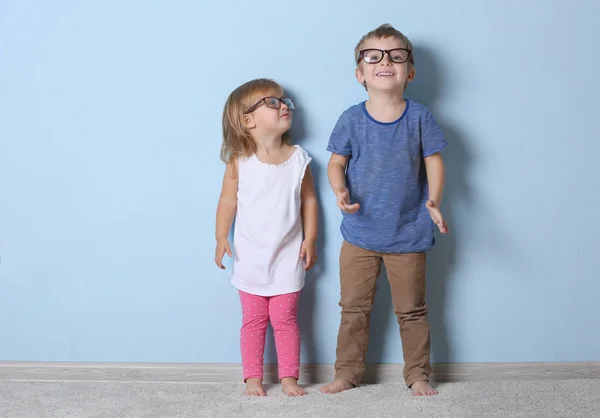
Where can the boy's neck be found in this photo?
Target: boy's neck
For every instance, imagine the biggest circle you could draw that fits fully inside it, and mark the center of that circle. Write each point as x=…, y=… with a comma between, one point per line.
x=386, y=106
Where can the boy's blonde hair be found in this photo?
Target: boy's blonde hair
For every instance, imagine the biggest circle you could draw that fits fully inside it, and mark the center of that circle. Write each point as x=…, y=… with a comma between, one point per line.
x=237, y=141
x=384, y=31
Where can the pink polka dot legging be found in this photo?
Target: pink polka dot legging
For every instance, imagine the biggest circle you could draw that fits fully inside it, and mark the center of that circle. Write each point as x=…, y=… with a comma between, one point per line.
x=282, y=311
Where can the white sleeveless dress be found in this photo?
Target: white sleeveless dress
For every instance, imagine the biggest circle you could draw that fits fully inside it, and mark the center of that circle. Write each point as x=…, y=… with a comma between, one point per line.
x=268, y=231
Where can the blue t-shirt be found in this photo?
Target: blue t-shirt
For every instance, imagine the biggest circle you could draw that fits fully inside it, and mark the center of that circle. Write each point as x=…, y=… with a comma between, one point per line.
x=386, y=175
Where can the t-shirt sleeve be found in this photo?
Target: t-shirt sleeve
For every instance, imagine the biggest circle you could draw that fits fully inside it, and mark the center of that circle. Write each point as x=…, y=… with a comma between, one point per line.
x=432, y=137
x=339, y=141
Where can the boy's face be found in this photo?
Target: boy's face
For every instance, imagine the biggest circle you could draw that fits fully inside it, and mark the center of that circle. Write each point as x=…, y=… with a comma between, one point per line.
x=386, y=75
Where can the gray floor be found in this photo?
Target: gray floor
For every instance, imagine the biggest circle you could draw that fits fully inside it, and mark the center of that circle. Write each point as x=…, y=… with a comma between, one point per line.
x=559, y=398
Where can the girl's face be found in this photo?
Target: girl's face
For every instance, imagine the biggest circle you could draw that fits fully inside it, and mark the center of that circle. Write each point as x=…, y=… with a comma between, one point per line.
x=269, y=115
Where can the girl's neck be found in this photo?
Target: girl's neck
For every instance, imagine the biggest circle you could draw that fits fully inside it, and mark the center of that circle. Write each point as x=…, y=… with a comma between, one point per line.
x=273, y=150
x=269, y=145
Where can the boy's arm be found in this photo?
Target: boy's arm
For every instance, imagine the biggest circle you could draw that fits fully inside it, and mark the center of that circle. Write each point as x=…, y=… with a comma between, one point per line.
x=226, y=210
x=336, y=172
x=434, y=165
x=310, y=219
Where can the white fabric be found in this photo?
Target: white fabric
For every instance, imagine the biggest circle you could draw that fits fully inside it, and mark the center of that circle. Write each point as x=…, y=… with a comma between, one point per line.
x=268, y=232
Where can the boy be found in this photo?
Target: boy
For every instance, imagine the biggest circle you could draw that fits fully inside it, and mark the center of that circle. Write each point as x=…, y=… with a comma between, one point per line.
x=388, y=177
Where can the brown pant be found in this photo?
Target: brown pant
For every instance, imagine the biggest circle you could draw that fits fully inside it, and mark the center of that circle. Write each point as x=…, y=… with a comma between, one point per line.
x=359, y=269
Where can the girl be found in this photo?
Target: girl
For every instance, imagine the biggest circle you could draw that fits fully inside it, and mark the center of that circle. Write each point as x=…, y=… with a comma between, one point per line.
x=268, y=188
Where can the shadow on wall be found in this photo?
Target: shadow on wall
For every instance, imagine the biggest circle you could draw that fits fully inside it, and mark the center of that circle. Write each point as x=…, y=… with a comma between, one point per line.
x=308, y=299
x=441, y=261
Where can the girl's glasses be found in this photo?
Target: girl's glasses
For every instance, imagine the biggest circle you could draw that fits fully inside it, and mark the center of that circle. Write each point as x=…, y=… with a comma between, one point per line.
x=271, y=102
x=373, y=56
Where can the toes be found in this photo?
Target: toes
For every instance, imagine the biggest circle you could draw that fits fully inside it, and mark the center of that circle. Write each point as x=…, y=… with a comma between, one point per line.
x=425, y=392
x=297, y=391
x=255, y=392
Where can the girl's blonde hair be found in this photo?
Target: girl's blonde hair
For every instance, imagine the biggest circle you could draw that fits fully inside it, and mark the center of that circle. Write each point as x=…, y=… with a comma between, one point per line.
x=237, y=141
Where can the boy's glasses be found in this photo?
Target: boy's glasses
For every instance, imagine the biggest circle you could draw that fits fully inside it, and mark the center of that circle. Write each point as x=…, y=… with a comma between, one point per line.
x=271, y=102
x=373, y=56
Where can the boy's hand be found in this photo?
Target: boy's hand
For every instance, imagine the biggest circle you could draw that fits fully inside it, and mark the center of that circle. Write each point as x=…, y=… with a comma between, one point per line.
x=222, y=248
x=436, y=216
x=343, y=201
x=309, y=254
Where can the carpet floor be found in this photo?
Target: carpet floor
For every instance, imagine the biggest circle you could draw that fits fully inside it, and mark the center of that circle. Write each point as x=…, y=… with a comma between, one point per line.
x=557, y=398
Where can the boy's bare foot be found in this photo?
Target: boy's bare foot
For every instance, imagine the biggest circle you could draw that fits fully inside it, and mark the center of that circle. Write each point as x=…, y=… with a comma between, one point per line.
x=254, y=387
x=422, y=388
x=337, y=386
x=290, y=387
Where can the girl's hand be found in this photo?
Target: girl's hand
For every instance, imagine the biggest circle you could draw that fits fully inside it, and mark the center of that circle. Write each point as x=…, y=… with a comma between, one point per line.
x=436, y=216
x=309, y=254
x=222, y=248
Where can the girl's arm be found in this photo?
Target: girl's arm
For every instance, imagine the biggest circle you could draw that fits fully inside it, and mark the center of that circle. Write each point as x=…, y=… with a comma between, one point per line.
x=226, y=212
x=310, y=219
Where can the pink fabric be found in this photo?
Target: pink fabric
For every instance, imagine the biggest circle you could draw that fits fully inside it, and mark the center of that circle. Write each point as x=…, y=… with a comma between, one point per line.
x=282, y=311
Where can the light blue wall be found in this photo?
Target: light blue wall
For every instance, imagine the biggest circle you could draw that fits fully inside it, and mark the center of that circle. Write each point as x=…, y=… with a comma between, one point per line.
x=109, y=173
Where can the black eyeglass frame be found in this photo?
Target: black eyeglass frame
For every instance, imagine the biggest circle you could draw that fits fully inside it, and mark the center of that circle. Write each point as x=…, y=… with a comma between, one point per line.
x=383, y=52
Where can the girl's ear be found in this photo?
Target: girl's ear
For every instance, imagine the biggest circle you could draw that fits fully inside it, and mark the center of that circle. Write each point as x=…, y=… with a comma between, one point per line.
x=249, y=121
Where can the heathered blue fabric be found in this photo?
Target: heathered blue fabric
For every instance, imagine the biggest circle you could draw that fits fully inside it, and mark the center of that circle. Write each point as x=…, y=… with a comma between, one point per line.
x=386, y=175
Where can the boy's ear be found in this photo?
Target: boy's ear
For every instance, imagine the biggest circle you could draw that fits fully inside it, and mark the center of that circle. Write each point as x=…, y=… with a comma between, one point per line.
x=249, y=121
x=360, y=75
x=411, y=75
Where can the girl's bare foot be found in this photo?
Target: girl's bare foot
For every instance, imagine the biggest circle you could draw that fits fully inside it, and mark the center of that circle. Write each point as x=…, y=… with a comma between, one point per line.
x=337, y=386
x=290, y=387
x=422, y=388
x=254, y=387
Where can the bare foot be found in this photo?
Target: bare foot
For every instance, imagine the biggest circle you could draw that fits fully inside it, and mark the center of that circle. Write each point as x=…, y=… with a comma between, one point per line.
x=337, y=386
x=254, y=387
x=422, y=388
x=290, y=387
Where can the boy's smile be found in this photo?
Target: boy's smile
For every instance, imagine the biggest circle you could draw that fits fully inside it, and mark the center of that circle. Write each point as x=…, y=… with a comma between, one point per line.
x=385, y=73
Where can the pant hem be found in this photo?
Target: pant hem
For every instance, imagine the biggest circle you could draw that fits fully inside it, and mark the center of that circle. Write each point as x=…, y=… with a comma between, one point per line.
x=416, y=378
x=348, y=377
